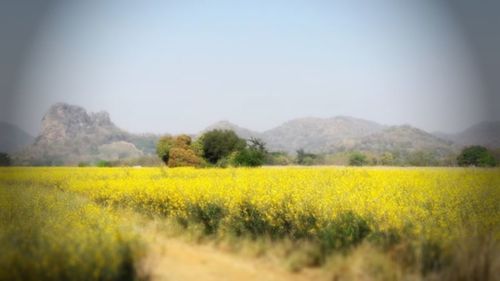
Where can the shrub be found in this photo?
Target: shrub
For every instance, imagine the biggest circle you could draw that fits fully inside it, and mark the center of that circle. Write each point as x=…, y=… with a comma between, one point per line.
x=103, y=163
x=177, y=151
x=180, y=157
x=218, y=144
x=278, y=158
x=304, y=158
x=5, y=159
x=476, y=156
x=252, y=156
x=163, y=148
x=357, y=159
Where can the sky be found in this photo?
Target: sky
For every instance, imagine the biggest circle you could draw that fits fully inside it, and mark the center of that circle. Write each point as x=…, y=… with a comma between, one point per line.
x=179, y=66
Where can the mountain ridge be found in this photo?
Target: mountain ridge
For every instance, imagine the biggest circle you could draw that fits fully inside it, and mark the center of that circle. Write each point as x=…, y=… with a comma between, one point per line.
x=70, y=135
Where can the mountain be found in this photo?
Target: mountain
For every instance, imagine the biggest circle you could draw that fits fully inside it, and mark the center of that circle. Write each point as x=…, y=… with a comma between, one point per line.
x=485, y=133
x=226, y=125
x=406, y=139
x=342, y=133
x=70, y=135
x=319, y=134
x=12, y=138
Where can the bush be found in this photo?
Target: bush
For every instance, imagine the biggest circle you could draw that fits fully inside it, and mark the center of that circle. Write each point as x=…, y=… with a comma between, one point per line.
x=253, y=156
x=163, y=148
x=357, y=159
x=476, y=156
x=5, y=159
x=103, y=163
x=278, y=158
x=304, y=158
x=177, y=151
x=180, y=157
x=218, y=144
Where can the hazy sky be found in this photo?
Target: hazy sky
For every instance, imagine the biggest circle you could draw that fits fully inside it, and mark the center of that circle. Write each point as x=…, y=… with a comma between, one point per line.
x=178, y=66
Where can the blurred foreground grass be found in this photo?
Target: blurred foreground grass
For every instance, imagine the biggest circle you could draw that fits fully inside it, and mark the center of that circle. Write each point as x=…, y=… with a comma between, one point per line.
x=48, y=234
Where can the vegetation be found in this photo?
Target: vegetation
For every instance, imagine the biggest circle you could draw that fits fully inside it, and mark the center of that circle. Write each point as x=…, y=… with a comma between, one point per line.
x=304, y=158
x=177, y=151
x=411, y=219
x=253, y=155
x=357, y=159
x=476, y=156
x=5, y=159
x=103, y=163
x=219, y=144
x=47, y=234
x=421, y=212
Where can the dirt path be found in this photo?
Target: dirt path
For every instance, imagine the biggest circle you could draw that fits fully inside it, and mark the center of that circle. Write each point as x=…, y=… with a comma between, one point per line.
x=173, y=259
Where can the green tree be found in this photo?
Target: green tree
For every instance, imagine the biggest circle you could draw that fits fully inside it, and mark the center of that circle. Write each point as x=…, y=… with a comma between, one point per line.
x=387, y=159
x=163, y=148
x=357, y=159
x=252, y=156
x=103, y=163
x=476, y=155
x=5, y=159
x=304, y=158
x=219, y=144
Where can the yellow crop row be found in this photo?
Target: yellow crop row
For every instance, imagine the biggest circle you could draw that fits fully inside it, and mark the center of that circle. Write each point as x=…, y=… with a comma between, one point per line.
x=437, y=204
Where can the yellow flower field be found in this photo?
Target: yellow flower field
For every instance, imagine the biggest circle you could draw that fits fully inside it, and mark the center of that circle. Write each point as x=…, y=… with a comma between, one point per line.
x=437, y=204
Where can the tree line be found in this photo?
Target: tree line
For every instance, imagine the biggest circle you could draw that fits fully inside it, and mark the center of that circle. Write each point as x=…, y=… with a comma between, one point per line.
x=222, y=148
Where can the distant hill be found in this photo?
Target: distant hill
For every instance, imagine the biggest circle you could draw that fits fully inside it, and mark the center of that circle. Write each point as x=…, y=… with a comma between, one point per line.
x=12, y=138
x=70, y=135
x=484, y=133
x=405, y=139
x=319, y=134
x=342, y=133
x=226, y=125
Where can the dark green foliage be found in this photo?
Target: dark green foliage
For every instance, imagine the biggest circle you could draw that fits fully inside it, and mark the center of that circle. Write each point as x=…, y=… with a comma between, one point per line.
x=304, y=158
x=357, y=159
x=249, y=221
x=252, y=156
x=385, y=239
x=5, y=159
x=218, y=144
x=476, y=156
x=209, y=216
x=346, y=230
x=103, y=163
x=163, y=148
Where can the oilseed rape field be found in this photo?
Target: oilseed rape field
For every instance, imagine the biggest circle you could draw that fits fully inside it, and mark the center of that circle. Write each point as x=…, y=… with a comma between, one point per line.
x=427, y=211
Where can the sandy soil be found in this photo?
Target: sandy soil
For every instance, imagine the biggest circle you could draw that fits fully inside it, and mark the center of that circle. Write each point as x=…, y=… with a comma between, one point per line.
x=174, y=259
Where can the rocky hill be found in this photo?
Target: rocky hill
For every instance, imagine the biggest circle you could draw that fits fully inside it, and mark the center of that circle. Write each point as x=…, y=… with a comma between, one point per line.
x=12, y=138
x=342, y=134
x=70, y=135
x=404, y=139
x=226, y=125
x=319, y=134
